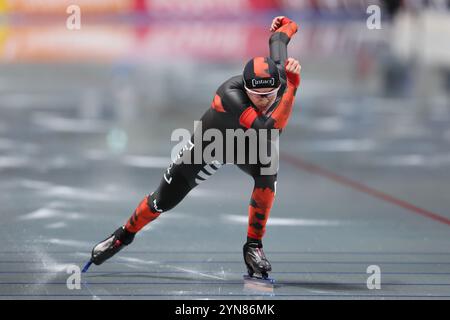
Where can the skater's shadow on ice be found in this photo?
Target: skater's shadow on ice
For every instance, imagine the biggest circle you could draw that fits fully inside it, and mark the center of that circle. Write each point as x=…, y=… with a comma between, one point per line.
x=144, y=276
x=321, y=285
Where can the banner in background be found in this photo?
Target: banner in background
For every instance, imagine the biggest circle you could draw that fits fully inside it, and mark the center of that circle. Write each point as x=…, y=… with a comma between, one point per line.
x=60, y=6
x=184, y=7
x=190, y=41
x=172, y=7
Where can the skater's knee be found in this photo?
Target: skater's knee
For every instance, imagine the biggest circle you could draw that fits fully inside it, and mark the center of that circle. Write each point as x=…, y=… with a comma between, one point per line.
x=264, y=192
x=157, y=204
x=169, y=195
x=263, y=181
x=163, y=201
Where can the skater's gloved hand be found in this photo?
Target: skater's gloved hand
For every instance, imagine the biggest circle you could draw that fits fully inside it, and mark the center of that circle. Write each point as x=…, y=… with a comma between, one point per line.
x=293, y=68
x=280, y=21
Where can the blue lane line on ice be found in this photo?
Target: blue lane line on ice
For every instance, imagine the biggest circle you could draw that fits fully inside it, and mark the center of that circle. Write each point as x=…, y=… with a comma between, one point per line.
x=239, y=262
x=228, y=272
x=236, y=252
x=229, y=282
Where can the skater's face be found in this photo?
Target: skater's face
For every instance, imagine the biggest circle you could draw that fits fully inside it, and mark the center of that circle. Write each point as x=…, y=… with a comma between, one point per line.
x=262, y=98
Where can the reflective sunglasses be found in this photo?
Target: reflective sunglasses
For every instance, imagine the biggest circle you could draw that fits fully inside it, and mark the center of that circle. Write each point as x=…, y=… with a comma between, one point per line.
x=269, y=94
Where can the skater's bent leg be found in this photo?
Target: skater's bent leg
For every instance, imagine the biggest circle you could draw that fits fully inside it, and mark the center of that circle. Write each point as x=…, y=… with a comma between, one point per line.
x=164, y=198
x=179, y=178
x=260, y=204
x=167, y=196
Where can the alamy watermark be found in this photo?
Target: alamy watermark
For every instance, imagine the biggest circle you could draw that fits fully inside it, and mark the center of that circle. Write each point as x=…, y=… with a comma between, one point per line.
x=73, y=282
x=73, y=21
x=238, y=146
x=374, y=280
x=373, y=22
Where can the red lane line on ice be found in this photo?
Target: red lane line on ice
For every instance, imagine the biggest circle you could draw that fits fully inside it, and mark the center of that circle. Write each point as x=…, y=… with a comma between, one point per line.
x=310, y=167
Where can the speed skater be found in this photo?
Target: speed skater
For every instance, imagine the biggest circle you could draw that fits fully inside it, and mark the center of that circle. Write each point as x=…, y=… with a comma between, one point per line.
x=260, y=98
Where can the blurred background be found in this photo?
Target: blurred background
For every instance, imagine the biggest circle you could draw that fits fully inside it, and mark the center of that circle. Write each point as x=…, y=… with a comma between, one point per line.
x=86, y=117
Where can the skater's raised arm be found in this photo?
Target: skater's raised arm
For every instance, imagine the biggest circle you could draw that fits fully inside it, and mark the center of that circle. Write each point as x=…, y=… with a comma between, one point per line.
x=283, y=29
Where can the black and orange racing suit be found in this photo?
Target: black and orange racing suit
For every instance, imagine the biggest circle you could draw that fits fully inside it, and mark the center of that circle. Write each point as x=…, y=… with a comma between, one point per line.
x=230, y=109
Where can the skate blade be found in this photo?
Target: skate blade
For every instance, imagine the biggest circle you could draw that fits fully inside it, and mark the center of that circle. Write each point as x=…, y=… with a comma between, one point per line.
x=259, y=285
x=86, y=267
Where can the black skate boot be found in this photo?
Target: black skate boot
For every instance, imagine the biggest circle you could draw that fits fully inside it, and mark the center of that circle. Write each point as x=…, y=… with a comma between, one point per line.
x=110, y=246
x=257, y=264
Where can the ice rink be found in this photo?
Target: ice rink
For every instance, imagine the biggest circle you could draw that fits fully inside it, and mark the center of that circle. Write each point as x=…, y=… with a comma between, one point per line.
x=364, y=178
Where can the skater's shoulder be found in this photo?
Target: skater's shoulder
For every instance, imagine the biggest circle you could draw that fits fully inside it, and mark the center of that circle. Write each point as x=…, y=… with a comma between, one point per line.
x=233, y=84
x=232, y=92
